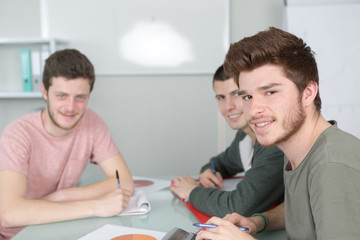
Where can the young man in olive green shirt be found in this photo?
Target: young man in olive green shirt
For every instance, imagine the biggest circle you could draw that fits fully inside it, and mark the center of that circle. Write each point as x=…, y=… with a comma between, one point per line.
x=278, y=80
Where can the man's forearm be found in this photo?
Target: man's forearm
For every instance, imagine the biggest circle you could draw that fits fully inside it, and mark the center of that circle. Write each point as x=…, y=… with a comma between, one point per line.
x=25, y=212
x=89, y=192
x=275, y=219
x=22, y=212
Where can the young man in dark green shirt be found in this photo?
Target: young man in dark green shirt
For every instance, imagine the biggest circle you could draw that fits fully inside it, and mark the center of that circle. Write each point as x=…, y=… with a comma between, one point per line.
x=262, y=186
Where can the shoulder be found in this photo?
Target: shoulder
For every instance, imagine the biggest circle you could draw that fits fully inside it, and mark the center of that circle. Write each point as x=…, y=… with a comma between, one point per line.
x=90, y=114
x=240, y=135
x=91, y=123
x=92, y=118
x=274, y=150
x=24, y=124
x=336, y=146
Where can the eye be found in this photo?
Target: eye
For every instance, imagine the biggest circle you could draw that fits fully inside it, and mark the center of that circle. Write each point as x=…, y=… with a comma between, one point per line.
x=81, y=98
x=247, y=97
x=219, y=98
x=61, y=96
x=270, y=92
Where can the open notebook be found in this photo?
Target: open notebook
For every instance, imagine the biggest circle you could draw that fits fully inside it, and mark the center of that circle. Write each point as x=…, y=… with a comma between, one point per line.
x=138, y=204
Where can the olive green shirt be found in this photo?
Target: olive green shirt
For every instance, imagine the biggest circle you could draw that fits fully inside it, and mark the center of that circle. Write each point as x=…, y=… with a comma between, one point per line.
x=322, y=196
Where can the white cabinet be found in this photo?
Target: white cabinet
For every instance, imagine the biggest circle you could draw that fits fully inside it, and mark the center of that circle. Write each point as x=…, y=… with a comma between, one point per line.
x=10, y=65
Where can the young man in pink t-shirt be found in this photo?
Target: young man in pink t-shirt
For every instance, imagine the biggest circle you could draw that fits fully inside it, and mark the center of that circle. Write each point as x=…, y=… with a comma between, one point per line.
x=43, y=154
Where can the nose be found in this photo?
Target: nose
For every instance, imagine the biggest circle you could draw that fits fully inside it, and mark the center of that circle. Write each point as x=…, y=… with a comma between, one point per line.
x=255, y=107
x=70, y=104
x=230, y=104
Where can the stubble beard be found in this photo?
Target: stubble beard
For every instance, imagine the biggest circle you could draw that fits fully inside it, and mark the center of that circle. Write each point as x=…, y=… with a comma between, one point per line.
x=53, y=120
x=292, y=123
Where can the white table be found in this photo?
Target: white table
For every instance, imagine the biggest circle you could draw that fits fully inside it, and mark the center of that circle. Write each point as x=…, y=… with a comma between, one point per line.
x=167, y=212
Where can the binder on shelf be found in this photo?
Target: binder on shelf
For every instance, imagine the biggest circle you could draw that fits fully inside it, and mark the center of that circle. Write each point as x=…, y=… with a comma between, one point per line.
x=25, y=64
x=36, y=70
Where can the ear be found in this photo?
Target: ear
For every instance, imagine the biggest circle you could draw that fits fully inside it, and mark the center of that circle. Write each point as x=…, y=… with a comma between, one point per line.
x=43, y=91
x=310, y=93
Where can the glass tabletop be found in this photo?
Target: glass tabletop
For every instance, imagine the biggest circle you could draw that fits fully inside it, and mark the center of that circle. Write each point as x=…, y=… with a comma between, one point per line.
x=167, y=212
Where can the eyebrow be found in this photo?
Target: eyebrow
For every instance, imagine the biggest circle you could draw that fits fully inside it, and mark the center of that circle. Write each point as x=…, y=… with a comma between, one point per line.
x=235, y=91
x=64, y=93
x=263, y=88
x=232, y=92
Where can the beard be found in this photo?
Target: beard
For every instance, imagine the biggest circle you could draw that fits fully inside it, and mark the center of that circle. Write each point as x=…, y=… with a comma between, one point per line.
x=56, y=123
x=292, y=123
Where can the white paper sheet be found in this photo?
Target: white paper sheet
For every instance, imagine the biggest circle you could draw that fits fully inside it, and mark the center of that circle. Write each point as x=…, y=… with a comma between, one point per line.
x=150, y=184
x=110, y=231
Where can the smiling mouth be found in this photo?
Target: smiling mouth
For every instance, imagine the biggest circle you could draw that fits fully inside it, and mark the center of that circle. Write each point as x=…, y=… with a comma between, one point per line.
x=263, y=124
x=68, y=116
x=234, y=116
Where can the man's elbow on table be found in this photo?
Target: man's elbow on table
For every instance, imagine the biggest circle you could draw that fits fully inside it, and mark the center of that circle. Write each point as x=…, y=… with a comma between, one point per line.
x=6, y=219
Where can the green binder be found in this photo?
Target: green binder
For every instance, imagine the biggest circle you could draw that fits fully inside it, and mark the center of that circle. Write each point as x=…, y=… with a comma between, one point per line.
x=25, y=62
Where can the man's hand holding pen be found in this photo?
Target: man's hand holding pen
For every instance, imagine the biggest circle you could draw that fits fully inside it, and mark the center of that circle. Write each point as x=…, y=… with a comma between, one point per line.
x=210, y=180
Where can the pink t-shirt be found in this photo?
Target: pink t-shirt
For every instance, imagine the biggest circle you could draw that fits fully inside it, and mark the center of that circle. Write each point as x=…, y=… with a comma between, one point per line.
x=53, y=163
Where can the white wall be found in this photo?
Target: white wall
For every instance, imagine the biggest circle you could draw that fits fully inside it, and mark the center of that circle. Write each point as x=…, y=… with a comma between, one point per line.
x=162, y=124
x=248, y=18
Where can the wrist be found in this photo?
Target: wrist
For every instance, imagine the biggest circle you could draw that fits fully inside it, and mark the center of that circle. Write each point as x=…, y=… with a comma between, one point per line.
x=57, y=196
x=261, y=222
x=189, y=192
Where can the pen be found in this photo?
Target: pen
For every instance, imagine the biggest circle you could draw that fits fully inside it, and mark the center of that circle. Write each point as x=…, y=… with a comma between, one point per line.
x=206, y=225
x=117, y=178
x=213, y=170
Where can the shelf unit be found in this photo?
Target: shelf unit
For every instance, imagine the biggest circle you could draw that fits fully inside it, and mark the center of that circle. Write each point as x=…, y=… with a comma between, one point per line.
x=19, y=94
x=50, y=44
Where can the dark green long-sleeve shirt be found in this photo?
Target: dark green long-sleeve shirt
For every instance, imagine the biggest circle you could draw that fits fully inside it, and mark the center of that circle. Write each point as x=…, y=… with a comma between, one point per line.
x=262, y=186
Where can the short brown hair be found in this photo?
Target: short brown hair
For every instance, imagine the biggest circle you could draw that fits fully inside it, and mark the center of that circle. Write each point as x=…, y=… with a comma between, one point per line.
x=70, y=64
x=220, y=75
x=277, y=47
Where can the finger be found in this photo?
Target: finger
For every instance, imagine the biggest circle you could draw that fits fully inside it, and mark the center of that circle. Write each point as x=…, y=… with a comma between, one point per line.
x=175, y=190
x=216, y=181
x=126, y=192
x=189, y=178
x=214, y=220
x=206, y=235
x=125, y=199
x=205, y=181
x=227, y=216
x=212, y=184
x=218, y=175
x=177, y=180
x=234, y=217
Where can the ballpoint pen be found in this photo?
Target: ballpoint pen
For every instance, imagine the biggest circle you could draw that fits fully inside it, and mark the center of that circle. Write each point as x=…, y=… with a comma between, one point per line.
x=117, y=178
x=213, y=170
x=206, y=225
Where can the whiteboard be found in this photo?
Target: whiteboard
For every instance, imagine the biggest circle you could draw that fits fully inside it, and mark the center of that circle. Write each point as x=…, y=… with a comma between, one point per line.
x=142, y=36
x=333, y=33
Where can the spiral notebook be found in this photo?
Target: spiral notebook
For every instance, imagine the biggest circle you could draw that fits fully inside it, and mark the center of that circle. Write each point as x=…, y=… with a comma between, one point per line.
x=138, y=204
